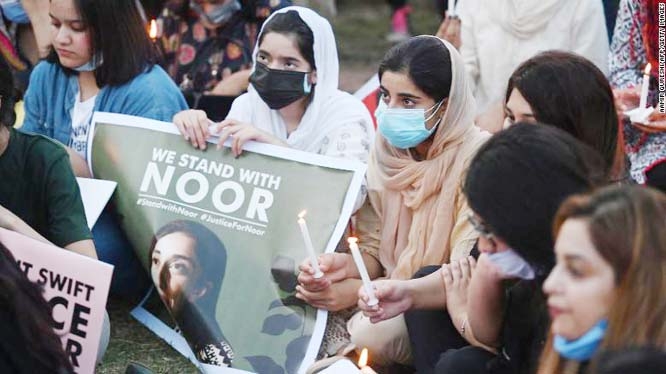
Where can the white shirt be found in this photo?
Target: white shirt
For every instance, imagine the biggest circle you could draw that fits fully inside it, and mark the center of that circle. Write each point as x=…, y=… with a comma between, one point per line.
x=491, y=53
x=81, y=117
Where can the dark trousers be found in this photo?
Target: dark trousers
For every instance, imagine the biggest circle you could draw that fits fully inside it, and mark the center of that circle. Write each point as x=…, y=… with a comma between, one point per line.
x=437, y=346
x=431, y=332
x=466, y=360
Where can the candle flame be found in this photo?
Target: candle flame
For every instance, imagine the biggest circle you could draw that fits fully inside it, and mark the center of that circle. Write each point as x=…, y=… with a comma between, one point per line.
x=153, y=29
x=648, y=67
x=301, y=215
x=363, y=359
x=352, y=239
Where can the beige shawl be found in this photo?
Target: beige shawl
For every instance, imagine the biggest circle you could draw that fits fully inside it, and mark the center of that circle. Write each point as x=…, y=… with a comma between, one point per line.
x=416, y=200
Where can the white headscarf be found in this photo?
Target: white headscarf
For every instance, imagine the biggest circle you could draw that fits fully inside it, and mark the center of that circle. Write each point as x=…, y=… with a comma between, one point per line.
x=329, y=109
x=523, y=18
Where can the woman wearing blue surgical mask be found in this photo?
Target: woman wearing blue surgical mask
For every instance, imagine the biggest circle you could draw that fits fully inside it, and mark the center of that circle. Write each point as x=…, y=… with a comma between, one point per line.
x=606, y=291
x=416, y=213
x=99, y=64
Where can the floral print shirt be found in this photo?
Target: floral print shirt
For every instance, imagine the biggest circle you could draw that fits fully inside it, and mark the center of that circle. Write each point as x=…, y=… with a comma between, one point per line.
x=198, y=58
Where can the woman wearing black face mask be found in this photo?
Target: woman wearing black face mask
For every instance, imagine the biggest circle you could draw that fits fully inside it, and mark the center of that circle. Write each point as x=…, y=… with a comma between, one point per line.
x=293, y=99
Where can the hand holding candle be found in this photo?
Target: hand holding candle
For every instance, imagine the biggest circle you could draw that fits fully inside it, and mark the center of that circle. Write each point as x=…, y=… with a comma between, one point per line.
x=358, y=259
x=308, y=245
x=645, y=87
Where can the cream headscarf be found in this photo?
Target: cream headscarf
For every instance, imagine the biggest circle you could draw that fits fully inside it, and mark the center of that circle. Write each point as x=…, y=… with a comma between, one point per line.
x=329, y=109
x=523, y=18
x=416, y=200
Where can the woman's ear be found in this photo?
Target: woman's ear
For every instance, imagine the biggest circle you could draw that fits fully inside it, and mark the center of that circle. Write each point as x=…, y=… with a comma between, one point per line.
x=199, y=291
x=444, y=107
x=313, y=77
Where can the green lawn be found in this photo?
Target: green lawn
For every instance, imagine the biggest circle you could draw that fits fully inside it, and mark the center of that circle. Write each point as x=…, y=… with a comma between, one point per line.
x=131, y=342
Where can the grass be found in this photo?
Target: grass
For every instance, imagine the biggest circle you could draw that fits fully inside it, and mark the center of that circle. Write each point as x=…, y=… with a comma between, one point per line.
x=360, y=27
x=132, y=342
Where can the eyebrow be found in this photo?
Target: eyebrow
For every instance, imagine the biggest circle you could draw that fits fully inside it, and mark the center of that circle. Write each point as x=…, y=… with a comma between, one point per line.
x=574, y=257
x=508, y=110
x=286, y=58
x=175, y=258
x=66, y=20
x=402, y=94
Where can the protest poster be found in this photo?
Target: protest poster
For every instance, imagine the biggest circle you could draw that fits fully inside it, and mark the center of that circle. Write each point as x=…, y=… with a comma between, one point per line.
x=220, y=238
x=75, y=286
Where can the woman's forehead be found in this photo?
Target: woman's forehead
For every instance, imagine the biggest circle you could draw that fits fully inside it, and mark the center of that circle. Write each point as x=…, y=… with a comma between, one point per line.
x=400, y=83
x=280, y=45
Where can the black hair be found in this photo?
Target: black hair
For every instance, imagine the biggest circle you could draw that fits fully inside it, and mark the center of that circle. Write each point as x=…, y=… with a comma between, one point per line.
x=26, y=317
x=518, y=179
x=569, y=92
x=427, y=62
x=210, y=253
x=655, y=175
x=118, y=36
x=291, y=23
x=7, y=91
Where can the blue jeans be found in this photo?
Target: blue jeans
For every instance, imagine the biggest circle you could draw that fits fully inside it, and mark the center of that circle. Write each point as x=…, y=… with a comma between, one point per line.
x=130, y=280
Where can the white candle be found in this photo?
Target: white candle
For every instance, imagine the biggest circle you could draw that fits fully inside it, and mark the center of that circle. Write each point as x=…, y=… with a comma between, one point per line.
x=308, y=245
x=646, y=85
x=358, y=259
x=363, y=363
x=450, y=11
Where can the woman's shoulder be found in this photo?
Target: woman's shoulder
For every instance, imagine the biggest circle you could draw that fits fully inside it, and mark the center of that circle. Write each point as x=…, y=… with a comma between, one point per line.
x=344, y=100
x=151, y=94
x=349, y=112
x=47, y=71
x=154, y=85
x=38, y=148
x=155, y=79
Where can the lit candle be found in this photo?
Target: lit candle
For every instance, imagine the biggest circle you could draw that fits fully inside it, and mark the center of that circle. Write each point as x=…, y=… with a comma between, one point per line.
x=646, y=85
x=451, y=8
x=358, y=259
x=363, y=363
x=153, y=30
x=308, y=245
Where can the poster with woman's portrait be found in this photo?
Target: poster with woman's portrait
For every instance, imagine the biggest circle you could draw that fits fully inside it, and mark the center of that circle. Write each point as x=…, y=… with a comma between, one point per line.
x=220, y=239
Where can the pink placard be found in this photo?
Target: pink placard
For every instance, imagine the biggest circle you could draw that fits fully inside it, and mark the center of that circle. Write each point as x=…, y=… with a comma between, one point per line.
x=76, y=286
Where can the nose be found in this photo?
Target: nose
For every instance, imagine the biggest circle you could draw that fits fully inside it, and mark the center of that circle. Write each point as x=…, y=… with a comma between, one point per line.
x=62, y=36
x=550, y=285
x=274, y=64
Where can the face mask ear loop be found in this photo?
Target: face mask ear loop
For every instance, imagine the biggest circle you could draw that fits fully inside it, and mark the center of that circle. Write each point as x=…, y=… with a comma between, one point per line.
x=307, y=86
x=438, y=105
